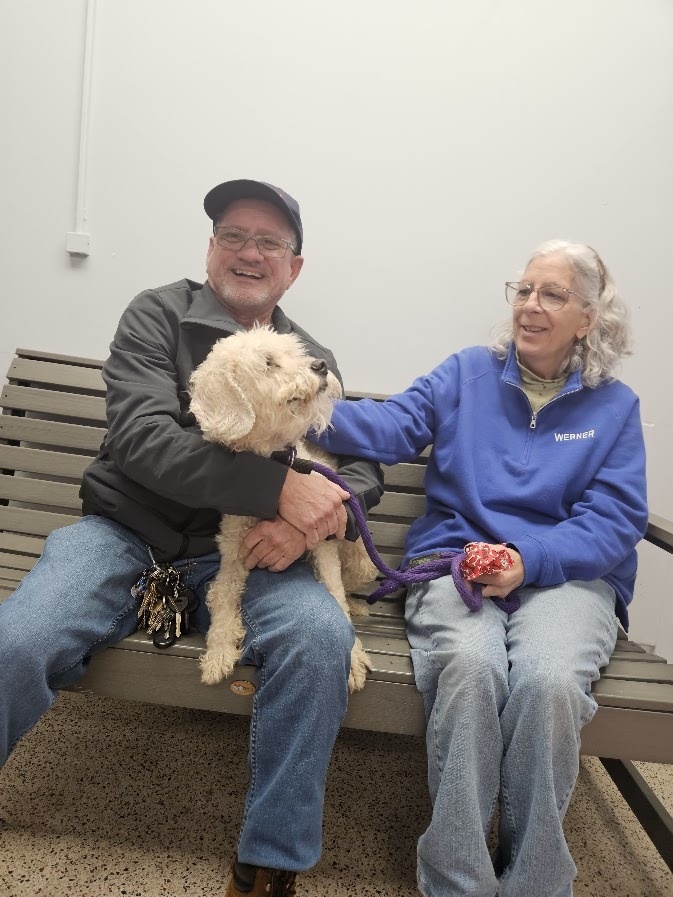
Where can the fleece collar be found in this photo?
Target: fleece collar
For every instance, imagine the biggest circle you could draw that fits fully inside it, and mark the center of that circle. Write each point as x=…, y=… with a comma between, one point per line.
x=511, y=373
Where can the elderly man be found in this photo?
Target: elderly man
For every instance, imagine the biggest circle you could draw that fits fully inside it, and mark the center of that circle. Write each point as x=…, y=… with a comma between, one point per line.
x=157, y=490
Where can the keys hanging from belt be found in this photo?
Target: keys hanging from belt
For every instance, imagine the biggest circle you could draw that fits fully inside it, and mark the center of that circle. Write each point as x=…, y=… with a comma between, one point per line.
x=165, y=603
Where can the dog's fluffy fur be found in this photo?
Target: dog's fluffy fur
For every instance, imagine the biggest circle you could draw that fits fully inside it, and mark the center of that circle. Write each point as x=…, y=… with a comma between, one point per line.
x=259, y=391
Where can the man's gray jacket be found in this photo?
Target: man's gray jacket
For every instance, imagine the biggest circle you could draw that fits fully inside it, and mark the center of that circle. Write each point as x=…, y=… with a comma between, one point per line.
x=154, y=472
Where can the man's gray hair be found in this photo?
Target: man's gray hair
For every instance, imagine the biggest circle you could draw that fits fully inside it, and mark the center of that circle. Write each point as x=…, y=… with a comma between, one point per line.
x=609, y=340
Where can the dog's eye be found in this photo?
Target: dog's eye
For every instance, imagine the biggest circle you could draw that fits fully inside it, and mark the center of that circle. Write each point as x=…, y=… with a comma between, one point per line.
x=270, y=363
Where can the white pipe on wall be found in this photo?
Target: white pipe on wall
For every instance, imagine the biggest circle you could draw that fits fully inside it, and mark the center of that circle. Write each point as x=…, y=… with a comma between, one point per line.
x=78, y=242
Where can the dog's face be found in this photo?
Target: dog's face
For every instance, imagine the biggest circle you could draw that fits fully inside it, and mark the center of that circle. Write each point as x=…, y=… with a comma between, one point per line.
x=259, y=391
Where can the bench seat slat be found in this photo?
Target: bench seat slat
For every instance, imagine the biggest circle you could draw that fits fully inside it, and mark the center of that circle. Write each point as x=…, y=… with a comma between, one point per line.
x=40, y=492
x=639, y=671
x=49, y=401
x=30, y=460
x=46, y=432
x=622, y=693
x=633, y=656
x=385, y=609
x=387, y=668
x=67, y=375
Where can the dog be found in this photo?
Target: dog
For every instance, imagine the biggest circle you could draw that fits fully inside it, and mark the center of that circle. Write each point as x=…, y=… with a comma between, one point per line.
x=259, y=391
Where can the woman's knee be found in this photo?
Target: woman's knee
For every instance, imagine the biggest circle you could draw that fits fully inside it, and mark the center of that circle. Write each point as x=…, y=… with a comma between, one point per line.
x=552, y=692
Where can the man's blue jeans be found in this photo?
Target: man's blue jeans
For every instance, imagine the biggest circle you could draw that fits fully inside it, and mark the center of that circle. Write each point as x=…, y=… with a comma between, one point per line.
x=505, y=697
x=77, y=600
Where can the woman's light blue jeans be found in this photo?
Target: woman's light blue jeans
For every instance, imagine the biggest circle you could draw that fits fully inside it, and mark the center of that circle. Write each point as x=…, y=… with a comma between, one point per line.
x=77, y=600
x=505, y=699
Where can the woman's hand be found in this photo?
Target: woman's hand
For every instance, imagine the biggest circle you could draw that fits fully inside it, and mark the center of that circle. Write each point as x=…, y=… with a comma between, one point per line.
x=499, y=585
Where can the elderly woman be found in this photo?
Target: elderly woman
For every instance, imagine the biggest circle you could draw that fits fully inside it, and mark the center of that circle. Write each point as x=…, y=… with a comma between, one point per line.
x=536, y=447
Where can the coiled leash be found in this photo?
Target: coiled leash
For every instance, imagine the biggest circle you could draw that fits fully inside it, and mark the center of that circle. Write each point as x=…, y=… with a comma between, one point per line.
x=442, y=564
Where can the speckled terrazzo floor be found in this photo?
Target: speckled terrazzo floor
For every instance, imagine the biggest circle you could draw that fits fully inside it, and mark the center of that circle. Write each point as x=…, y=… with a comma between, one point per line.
x=87, y=809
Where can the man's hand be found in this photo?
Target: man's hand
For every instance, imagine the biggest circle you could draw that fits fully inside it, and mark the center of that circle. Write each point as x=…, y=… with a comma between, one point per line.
x=274, y=544
x=314, y=505
x=499, y=585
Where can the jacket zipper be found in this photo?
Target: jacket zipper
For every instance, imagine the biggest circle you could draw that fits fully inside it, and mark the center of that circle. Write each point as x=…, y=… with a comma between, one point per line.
x=534, y=414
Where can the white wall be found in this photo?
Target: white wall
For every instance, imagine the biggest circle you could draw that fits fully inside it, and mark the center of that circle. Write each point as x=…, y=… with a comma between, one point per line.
x=432, y=145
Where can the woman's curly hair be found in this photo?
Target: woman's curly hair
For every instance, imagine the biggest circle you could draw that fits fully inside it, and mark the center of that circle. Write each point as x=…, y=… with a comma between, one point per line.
x=597, y=354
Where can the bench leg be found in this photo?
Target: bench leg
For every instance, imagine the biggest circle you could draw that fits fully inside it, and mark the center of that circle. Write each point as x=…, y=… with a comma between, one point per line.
x=655, y=819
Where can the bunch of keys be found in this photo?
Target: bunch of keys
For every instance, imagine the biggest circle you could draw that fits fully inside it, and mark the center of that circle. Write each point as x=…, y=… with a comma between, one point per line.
x=165, y=603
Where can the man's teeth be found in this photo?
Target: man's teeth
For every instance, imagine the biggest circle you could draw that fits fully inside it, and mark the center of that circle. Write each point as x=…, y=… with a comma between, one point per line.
x=534, y=329
x=253, y=274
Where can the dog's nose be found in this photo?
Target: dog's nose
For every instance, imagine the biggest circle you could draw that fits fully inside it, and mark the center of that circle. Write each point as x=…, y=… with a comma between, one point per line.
x=319, y=365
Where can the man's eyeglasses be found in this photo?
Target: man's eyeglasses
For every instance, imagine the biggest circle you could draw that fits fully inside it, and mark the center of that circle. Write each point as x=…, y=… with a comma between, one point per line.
x=550, y=296
x=269, y=247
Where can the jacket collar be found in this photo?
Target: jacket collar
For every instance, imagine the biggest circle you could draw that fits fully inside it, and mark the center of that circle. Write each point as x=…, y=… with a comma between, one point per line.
x=207, y=309
x=512, y=375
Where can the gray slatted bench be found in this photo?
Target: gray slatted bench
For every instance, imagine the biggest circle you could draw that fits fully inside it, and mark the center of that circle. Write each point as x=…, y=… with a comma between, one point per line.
x=53, y=422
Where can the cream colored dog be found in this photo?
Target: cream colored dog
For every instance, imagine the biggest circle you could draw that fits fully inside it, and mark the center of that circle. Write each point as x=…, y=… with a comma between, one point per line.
x=259, y=391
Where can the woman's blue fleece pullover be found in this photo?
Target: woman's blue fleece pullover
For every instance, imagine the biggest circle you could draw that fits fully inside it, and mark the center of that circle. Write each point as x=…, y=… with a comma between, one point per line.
x=565, y=486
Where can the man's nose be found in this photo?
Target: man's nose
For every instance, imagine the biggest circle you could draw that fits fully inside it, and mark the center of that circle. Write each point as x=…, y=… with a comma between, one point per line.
x=250, y=249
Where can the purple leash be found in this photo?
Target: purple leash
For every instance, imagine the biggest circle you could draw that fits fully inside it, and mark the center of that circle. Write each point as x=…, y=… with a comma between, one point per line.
x=445, y=563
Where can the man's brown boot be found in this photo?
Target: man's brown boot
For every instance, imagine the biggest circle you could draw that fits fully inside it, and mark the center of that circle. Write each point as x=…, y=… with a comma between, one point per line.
x=268, y=883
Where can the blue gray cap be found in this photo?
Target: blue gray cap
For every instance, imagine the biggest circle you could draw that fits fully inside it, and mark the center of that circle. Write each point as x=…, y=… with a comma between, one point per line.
x=219, y=198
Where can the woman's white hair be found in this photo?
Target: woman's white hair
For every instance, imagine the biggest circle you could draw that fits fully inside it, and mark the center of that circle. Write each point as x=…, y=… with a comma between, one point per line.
x=609, y=340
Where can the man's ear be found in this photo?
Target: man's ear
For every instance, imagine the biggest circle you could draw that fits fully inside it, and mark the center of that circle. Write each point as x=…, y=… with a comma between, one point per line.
x=295, y=267
x=220, y=406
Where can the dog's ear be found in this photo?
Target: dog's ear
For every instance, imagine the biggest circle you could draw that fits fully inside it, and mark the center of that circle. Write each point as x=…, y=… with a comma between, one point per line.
x=220, y=406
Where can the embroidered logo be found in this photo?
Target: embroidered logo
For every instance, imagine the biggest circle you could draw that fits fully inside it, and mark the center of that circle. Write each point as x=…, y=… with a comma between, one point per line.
x=565, y=437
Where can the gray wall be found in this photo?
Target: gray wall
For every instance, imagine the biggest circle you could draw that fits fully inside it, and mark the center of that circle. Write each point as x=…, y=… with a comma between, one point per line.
x=432, y=145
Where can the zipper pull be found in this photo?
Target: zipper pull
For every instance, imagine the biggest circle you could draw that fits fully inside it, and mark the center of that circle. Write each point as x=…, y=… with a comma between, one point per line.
x=532, y=420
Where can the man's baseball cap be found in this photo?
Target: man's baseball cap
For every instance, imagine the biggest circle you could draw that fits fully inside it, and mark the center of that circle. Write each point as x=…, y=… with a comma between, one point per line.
x=219, y=198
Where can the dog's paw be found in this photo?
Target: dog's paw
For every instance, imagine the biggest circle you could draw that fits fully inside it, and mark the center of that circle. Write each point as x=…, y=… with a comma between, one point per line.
x=360, y=664
x=214, y=667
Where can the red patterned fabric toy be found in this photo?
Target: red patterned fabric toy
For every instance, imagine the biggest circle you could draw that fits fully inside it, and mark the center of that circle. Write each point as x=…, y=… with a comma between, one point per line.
x=483, y=558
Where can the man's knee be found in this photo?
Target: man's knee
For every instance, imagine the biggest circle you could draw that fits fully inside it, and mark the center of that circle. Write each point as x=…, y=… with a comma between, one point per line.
x=323, y=631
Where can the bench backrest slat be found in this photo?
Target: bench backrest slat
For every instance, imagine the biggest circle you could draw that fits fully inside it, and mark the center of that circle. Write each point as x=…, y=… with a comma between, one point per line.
x=31, y=460
x=49, y=401
x=56, y=374
x=55, y=356
x=19, y=542
x=25, y=520
x=17, y=561
x=40, y=492
x=405, y=475
x=48, y=432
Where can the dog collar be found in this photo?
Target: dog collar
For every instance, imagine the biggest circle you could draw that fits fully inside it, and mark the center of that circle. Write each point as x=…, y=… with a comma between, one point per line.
x=288, y=456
